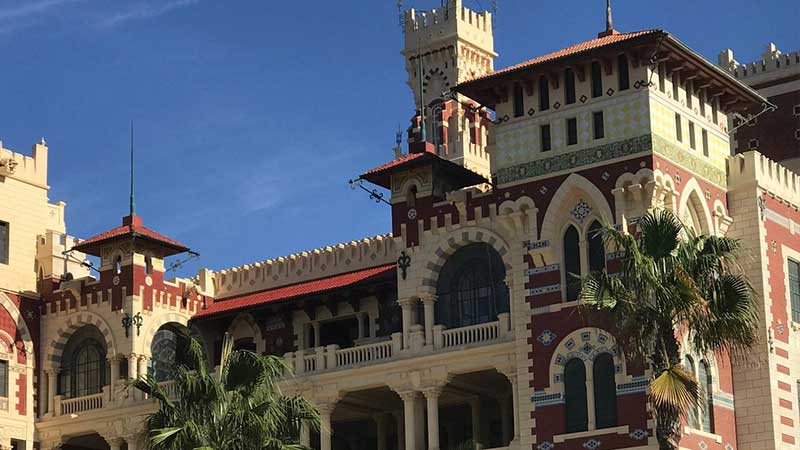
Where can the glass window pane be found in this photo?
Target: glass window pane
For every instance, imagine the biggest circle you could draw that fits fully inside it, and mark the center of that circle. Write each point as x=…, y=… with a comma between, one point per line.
x=575, y=396
x=572, y=262
x=3, y=378
x=794, y=288
x=605, y=392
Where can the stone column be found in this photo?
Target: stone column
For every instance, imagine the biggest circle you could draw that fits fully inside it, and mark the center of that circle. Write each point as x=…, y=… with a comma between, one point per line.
x=133, y=366
x=475, y=407
x=305, y=435
x=419, y=425
x=315, y=326
x=360, y=319
x=113, y=362
x=133, y=442
x=325, y=427
x=432, y=399
x=52, y=388
x=407, y=307
x=380, y=425
x=512, y=379
x=429, y=303
x=409, y=419
x=590, y=394
x=142, y=370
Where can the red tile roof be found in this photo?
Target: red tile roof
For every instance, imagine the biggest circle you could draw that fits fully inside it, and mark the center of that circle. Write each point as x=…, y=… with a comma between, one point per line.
x=592, y=44
x=381, y=175
x=131, y=228
x=292, y=291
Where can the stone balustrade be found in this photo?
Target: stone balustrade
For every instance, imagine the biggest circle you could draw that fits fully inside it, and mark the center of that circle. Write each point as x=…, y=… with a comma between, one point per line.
x=66, y=406
x=332, y=357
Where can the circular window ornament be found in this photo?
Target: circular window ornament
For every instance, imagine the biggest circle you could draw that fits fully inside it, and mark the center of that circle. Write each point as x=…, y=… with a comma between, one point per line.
x=412, y=214
x=115, y=280
x=148, y=280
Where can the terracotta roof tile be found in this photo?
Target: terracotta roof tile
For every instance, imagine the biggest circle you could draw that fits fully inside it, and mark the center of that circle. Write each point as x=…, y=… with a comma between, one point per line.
x=131, y=227
x=292, y=291
x=569, y=51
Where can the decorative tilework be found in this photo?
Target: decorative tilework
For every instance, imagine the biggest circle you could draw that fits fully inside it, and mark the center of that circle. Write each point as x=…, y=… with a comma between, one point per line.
x=579, y=158
x=638, y=434
x=580, y=211
x=546, y=445
x=541, y=398
x=535, y=245
x=638, y=385
x=547, y=337
x=544, y=289
x=703, y=445
x=699, y=166
x=543, y=269
x=592, y=444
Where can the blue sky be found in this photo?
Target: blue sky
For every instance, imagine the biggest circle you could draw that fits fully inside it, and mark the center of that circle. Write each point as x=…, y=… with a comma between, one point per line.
x=251, y=115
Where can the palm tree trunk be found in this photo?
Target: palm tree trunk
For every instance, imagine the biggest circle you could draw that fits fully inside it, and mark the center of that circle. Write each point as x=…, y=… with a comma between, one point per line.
x=667, y=421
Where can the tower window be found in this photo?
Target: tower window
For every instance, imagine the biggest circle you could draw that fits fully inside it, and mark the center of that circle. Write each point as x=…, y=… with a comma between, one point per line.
x=148, y=265
x=752, y=144
x=569, y=87
x=597, y=252
x=3, y=379
x=713, y=102
x=705, y=142
x=4, y=242
x=544, y=94
x=692, y=138
x=678, y=128
x=676, y=88
x=794, y=289
x=597, y=80
x=118, y=265
x=572, y=131
x=689, y=93
x=662, y=78
x=701, y=99
x=598, y=125
x=519, y=101
x=544, y=131
x=575, y=396
x=623, y=73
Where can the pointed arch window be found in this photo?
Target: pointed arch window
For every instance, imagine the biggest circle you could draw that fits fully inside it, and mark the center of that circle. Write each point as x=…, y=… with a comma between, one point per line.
x=694, y=418
x=705, y=380
x=572, y=262
x=597, y=252
x=605, y=391
x=148, y=264
x=577, y=417
x=118, y=265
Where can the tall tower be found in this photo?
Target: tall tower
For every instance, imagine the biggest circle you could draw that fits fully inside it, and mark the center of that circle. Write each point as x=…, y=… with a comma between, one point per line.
x=445, y=47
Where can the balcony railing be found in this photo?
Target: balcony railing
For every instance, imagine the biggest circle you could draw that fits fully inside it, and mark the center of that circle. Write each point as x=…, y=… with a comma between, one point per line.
x=80, y=404
x=332, y=357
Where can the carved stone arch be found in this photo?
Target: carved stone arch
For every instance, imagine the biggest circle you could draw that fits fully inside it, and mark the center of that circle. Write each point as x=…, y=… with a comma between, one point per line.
x=710, y=358
x=693, y=200
x=574, y=189
x=246, y=319
x=525, y=209
x=74, y=322
x=666, y=193
x=451, y=243
x=585, y=344
x=158, y=322
x=9, y=341
x=22, y=327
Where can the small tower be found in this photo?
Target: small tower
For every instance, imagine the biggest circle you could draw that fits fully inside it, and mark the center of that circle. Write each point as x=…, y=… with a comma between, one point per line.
x=445, y=47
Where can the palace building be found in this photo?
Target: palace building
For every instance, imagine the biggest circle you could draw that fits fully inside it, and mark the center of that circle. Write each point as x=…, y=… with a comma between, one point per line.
x=460, y=327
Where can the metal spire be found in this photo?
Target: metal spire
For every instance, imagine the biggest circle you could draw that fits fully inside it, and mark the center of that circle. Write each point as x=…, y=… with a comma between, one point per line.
x=423, y=132
x=609, y=18
x=133, y=203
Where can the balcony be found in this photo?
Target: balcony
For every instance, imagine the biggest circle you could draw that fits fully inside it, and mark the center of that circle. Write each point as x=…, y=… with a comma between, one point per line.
x=124, y=398
x=331, y=357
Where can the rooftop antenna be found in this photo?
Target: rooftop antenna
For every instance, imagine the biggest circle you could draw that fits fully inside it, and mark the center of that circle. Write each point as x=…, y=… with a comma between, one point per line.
x=133, y=203
x=609, y=18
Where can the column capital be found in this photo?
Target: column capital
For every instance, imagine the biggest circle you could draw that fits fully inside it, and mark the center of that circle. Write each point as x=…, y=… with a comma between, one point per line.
x=407, y=302
x=432, y=392
x=428, y=298
x=408, y=396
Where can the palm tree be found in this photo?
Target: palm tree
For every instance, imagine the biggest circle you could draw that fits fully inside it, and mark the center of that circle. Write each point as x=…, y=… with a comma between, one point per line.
x=673, y=281
x=238, y=408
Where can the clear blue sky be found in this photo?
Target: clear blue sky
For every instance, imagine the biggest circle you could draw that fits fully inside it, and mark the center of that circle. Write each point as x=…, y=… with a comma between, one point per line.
x=251, y=115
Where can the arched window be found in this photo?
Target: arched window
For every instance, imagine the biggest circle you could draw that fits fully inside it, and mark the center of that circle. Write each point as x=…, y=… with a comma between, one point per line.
x=245, y=344
x=623, y=72
x=83, y=364
x=597, y=253
x=694, y=418
x=705, y=380
x=471, y=287
x=605, y=392
x=163, y=350
x=519, y=101
x=411, y=196
x=148, y=264
x=572, y=262
x=118, y=265
x=575, y=396
x=569, y=86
